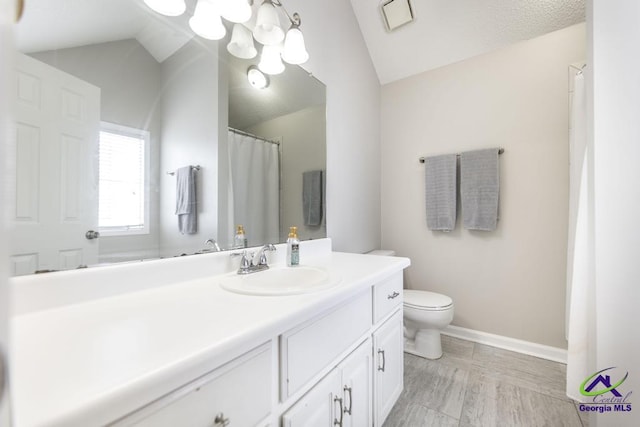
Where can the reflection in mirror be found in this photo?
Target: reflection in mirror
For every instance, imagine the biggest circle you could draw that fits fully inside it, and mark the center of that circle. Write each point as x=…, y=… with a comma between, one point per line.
x=114, y=102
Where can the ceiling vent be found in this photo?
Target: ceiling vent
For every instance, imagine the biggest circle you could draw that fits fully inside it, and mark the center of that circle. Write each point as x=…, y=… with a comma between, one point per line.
x=396, y=13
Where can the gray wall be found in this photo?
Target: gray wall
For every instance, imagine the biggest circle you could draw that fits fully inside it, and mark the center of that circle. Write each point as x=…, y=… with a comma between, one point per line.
x=339, y=58
x=510, y=282
x=190, y=137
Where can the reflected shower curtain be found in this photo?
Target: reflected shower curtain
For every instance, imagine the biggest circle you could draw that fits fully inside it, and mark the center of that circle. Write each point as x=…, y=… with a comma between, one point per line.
x=580, y=240
x=254, y=187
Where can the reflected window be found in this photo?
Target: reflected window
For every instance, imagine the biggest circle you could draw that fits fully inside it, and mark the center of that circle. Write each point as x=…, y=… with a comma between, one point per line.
x=123, y=206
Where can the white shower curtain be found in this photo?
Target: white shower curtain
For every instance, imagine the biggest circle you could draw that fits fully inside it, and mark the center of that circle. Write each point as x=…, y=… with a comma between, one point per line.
x=254, y=187
x=580, y=240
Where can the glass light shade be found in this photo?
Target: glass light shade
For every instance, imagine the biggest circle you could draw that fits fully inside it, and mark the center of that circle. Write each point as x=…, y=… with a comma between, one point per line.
x=270, y=61
x=256, y=78
x=267, y=30
x=237, y=11
x=167, y=7
x=294, y=50
x=206, y=21
x=241, y=44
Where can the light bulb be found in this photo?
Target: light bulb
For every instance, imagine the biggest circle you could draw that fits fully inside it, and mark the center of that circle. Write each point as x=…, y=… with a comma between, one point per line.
x=167, y=7
x=267, y=30
x=237, y=11
x=294, y=50
x=241, y=44
x=270, y=61
x=206, y=21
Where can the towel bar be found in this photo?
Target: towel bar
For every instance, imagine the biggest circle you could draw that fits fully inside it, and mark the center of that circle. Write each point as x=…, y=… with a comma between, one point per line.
x=196, y=167
x=500, y=151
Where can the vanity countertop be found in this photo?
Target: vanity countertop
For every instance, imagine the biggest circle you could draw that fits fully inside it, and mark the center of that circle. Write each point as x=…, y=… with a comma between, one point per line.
x=95, y=358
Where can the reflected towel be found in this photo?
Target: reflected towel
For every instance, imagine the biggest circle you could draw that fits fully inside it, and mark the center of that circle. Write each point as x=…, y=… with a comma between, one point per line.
x=480, y=189
x=312, y=197
x=440, y=192
x=186, y=204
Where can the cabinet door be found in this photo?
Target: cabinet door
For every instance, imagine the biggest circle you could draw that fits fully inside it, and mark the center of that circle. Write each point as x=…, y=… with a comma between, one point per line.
x=236, y=394
x=357, y=387
x=322, y=406
x=388, y=366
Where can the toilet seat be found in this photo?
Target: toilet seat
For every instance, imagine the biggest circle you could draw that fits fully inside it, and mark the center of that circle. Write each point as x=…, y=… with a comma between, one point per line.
x=425, y=300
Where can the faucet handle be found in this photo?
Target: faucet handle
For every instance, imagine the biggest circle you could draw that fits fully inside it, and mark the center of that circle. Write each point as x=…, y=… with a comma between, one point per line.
x=263, y=255
x=245, y=263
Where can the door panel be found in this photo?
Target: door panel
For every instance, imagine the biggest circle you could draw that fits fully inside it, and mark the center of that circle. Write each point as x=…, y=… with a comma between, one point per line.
x=388, y=366
x=57, y=128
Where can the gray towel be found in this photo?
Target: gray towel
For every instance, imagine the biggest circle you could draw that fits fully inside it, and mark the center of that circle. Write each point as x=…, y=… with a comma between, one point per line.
x=440, y=192
x=480, y=189
x=186, y=204
x=312, y=197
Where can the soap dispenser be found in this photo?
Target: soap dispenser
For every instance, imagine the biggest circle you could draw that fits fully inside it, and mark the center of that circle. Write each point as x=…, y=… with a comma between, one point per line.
x=240, y=239
x=293, y=247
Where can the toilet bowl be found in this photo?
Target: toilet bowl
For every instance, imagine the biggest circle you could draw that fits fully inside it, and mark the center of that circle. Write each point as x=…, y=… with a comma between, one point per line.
x=426, y=314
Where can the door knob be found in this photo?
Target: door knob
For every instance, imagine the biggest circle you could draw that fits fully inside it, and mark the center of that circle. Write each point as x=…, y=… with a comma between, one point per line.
x=90, y=235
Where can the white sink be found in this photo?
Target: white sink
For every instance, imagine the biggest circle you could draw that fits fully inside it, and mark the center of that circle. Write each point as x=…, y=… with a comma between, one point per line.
x=280, y=281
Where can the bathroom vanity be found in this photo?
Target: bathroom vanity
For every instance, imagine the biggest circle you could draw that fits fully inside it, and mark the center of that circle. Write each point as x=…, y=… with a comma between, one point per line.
x=161, y=343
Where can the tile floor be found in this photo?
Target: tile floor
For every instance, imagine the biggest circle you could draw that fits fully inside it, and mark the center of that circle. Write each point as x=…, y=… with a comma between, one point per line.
x=481, y=386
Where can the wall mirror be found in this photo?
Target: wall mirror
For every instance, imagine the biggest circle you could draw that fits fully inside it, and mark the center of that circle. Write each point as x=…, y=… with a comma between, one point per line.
x=115, y=103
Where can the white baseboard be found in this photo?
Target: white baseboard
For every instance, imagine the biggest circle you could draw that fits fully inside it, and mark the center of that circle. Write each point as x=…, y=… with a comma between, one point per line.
x=520, y=346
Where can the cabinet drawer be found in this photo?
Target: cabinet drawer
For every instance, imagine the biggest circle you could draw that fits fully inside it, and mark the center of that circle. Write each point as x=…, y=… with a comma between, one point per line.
x=387, y=295
x=221, y=393
x=308, y=349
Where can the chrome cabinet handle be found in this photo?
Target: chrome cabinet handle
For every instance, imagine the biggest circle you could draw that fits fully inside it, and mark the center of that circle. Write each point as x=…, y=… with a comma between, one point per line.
x=90, y=235
x=220, y=420
x=381, y=352
x=335, y=420
x=393, y=295
x=349, y=390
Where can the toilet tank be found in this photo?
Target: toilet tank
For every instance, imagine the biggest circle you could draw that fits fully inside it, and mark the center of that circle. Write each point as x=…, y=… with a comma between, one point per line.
x=385, y=252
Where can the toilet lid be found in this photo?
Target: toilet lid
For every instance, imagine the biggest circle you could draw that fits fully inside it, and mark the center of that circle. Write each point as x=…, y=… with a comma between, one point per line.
x=425, y=299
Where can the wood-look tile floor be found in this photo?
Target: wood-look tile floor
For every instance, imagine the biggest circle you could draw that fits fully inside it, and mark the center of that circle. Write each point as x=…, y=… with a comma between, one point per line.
x=474, y=385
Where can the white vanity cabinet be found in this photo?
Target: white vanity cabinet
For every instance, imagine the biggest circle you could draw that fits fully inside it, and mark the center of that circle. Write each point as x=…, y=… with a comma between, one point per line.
x=363, y=387
x=236, y=394
x=342, y=398
x=388, y=366
x=310, y=348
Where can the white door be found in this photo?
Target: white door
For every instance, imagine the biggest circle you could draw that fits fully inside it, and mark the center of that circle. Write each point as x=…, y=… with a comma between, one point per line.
x=321, y=407
x=56, y=157
x=357, y=387
x=388, y=366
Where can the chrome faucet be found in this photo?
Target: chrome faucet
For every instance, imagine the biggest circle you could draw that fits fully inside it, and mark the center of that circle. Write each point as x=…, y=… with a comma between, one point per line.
x=252, y=263
x=214, y=245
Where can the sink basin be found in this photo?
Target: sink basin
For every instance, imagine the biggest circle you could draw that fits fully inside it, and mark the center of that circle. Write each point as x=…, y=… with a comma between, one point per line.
x=280, y=281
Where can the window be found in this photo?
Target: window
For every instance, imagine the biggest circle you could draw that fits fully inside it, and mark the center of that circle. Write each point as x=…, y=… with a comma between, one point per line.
x=123, y=203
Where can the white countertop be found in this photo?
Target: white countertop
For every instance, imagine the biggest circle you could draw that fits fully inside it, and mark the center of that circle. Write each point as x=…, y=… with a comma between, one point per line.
x=84, y=363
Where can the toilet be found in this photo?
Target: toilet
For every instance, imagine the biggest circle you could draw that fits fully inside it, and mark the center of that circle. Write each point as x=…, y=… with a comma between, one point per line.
x=426, y=314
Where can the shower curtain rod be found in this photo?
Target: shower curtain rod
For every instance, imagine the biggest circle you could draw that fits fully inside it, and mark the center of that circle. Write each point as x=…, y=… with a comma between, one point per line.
x=500, y=151
x=241, y=132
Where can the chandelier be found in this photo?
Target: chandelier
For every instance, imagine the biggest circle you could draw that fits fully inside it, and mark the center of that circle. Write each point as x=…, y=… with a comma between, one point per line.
x=277, y=45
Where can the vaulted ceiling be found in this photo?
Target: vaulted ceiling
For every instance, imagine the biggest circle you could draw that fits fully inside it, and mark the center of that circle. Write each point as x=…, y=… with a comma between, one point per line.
x=448, y=31
x=443, y=31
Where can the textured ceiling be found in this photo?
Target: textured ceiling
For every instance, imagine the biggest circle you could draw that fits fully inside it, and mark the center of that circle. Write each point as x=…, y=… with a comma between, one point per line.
x=448, y=31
